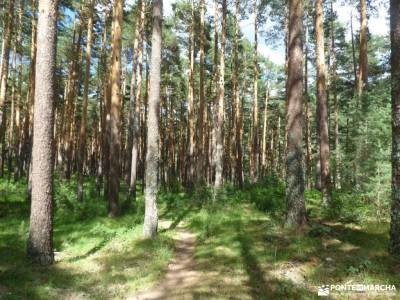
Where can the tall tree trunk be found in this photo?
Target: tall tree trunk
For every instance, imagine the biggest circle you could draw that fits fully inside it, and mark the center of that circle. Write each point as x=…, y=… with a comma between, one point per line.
x=215, y=87
x=236, y=99
x=152, y=154
x=394, y=245
x=308, y=117
x=219, y=126
x=190, y=153
x=9, y=18
x=254, y=137
x=296, y=215
x=322, y=103
x=335, y=101
x=201, y=157
x=133, y=89
x=137, y=100
x=40, y=241
x=82, y=130
x=363, y=66
x=18, y=107
x=115, y=110
x=264, y=137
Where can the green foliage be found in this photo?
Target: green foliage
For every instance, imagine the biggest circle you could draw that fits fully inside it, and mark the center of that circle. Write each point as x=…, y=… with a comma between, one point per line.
x=268, y=195
x=96, y=257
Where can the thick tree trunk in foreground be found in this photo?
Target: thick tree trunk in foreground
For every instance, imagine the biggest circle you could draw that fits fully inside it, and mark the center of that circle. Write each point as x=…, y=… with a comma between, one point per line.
x=322, y=103
x=40, y=242
x=296, y=214
x=115, y=111
x=152, y=155
x=394, y=245
x=219, y=126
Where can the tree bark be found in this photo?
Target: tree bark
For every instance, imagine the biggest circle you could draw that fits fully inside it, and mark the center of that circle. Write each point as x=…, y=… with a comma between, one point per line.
x=9, y=18
x=296, y=214
x=190, y=154
x=137, y=101
x=264, y=137
x=236, y=99
x=40, y=241
x=363, y=66
x=335, y=102
x=219, y=126
x=115, y=110
x=322, y=103
x=254, y=137
x=201, y=157
x=152, y=154
x=82, y=130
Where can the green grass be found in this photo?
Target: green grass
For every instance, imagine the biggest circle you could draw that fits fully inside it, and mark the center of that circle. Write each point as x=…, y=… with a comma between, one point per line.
x=246, y=253
x=242, y=251
x=97, y=257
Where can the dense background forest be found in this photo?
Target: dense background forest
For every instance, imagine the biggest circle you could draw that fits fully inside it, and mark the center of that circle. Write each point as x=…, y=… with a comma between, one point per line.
x=224, y=150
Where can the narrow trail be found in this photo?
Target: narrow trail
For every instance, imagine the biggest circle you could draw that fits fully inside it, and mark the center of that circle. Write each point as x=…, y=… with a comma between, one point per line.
x=181, y=275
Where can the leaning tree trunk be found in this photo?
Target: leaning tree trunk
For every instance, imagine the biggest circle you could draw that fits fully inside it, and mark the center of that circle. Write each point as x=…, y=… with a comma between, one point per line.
x=296, y=214
x=40, y=241
x=115, y=111
x=322, y=104
x=394, y=245
x=152, y=155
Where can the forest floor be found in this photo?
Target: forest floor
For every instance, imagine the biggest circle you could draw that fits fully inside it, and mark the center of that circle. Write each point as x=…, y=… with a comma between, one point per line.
x=230, y=249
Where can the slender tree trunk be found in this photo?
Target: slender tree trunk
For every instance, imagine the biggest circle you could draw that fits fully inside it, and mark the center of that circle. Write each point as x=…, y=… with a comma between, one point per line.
x=152, y=154
x=201, y=157
x=82, y=130
x=322, y=103
x=9, y=18
x=219, y=126
x=254, y=137
x=236, y=99
x=133, y=88
x=215, y=82
x=363, y=66
x=335, y=102
x=296, y=215
x=115, y=110
x=353, y=50
x=265, y=126
x=308, y=117
x=394, y=244
x=190, y=154
x=137, y=101
x=40, y=241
